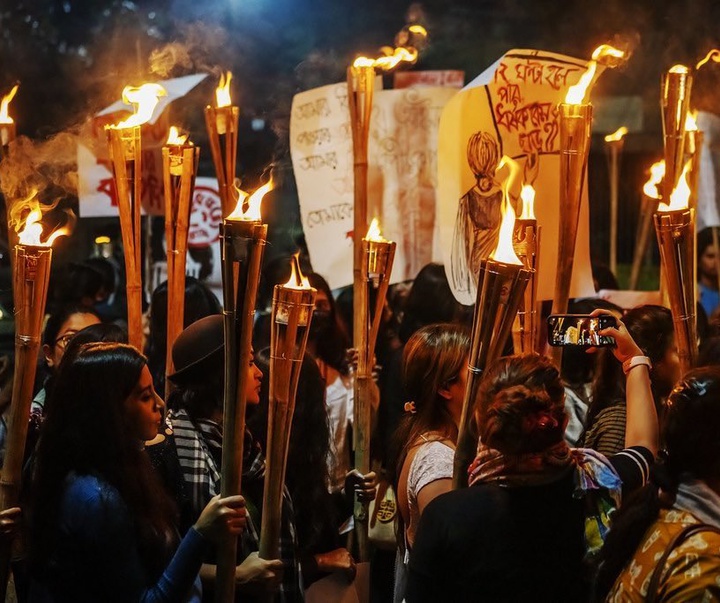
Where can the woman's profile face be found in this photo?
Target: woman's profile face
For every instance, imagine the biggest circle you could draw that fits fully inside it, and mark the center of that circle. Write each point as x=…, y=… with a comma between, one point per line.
x=143, y=409
x=252, y=390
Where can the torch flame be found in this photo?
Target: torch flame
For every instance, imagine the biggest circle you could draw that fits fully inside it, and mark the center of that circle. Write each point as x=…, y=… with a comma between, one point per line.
x=252, y=213
x=30, y=229
x=504, y=251
x=691, y=121
x=222, y=92
x=297, y=279
x=5, y=103
x=373, y=233
x=175, y=138
x=604, y=54
x=389, y=61
x=680, y=197
x=657, y=173
x=419, y=30
x=713, y=55
x=617, y=135
x=679, y=69
x=527, y=194
x=145, y=98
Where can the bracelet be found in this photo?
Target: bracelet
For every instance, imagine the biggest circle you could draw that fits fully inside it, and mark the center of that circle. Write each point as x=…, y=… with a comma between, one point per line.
x=631, y=363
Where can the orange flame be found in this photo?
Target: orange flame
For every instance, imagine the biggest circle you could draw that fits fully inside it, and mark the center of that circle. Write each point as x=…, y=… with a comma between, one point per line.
x=691, y=121
x=527, y=194
x=657, y=173
x=222, y=92
x=713, y=55
x=252, y=213
x=30, y=229
x=297, y=279
x=680, y=197
x=145, y=98
x=373, y=233
x=679, y=69
x=389, y=61
x=504, y=251
x=605, y=55
x=617, y=135
x=175, y=138
x=4, y=105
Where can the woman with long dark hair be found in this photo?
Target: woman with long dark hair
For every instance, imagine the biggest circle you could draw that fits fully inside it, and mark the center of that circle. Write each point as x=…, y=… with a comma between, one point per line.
x=102, y=528
x=434, y=374
x=536, y=509
x=651, y=327
x=648, y=534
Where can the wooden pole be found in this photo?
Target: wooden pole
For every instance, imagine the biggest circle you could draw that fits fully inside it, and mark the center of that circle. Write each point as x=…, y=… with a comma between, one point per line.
x=361, y=82
x=125, y=153
x=614, y=147
x=243, y=244
x=575, y=129
x=222, y=129
x=179, y=169
x=642, y=242
x=31, y=273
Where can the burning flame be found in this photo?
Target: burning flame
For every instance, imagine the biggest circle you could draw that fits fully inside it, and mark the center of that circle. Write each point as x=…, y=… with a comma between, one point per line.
x=30, y=229
x=713, y=55
x=373, y=233
x=617, y=135
x=175, y=138
x=527, y=194
x=681, y=195
x=5, y=103
x=145, y=98
x=253, y=203
x=389, y=61
x=657, y=173
x=222, y=92
x=691, y=122
x=679, y=69
x=504, y=251
x=419, y=30
x=603, y=54
x=297, y=279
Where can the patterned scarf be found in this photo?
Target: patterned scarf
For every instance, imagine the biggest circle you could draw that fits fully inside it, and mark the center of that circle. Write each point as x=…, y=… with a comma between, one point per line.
x=199, y=449
x=596, y=481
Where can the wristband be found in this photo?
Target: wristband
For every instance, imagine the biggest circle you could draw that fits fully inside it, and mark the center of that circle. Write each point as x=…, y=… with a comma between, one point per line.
x=631, y=363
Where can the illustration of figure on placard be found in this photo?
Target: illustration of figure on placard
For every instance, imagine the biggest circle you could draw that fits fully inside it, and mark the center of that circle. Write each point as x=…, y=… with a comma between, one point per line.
x=477, y=225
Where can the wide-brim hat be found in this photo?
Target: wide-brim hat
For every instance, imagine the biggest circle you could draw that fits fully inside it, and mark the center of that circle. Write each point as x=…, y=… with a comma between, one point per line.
x=198, y=349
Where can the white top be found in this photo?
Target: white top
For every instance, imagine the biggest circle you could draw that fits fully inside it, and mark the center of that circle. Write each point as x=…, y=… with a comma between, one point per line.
x=432, y=461
x=339, y=406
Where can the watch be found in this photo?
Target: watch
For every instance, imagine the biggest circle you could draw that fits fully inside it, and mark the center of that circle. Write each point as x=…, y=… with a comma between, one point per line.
x=631, y=363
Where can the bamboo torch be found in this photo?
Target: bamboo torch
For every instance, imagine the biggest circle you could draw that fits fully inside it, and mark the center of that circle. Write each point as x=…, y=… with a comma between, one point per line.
x=221, y=122
x=575, y=129
x=675, y=229
x=693, y=151
x=292, y=310
x=242, y=237
x=651, y=194
x=7, y=123
x=502, y=282
x=614, y=144
x=124, y=141
x=526, y=243
x=361, y=84
x=31, y=272
x=180, y=162
x=674, y=103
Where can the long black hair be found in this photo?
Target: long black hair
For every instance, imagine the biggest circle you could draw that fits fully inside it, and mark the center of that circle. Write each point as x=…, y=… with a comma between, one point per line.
x=85, y=433
x=690, y=435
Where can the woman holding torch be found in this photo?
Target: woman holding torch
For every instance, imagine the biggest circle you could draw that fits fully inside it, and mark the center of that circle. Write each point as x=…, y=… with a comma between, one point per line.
x=102, y=528
x=196, y=417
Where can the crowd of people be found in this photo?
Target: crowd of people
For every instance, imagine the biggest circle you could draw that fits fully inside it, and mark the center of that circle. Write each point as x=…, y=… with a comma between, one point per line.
x=595, y=480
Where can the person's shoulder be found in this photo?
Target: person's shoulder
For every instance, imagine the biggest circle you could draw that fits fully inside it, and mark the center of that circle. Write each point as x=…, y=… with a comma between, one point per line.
x=84, y=493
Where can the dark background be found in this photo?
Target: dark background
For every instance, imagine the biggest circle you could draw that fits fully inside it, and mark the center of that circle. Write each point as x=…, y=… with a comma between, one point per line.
x=72, y=58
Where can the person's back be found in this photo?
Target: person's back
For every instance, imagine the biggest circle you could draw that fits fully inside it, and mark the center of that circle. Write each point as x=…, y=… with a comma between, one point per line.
x=493, y=543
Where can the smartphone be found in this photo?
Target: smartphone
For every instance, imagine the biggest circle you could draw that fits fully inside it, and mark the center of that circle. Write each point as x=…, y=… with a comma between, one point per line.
x=579, y=330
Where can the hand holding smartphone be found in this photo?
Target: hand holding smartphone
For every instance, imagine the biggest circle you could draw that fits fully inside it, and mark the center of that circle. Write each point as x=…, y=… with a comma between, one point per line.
x=580, y=330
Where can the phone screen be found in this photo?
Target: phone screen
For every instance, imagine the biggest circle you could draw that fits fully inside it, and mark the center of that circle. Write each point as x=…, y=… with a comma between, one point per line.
x=579, y=330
